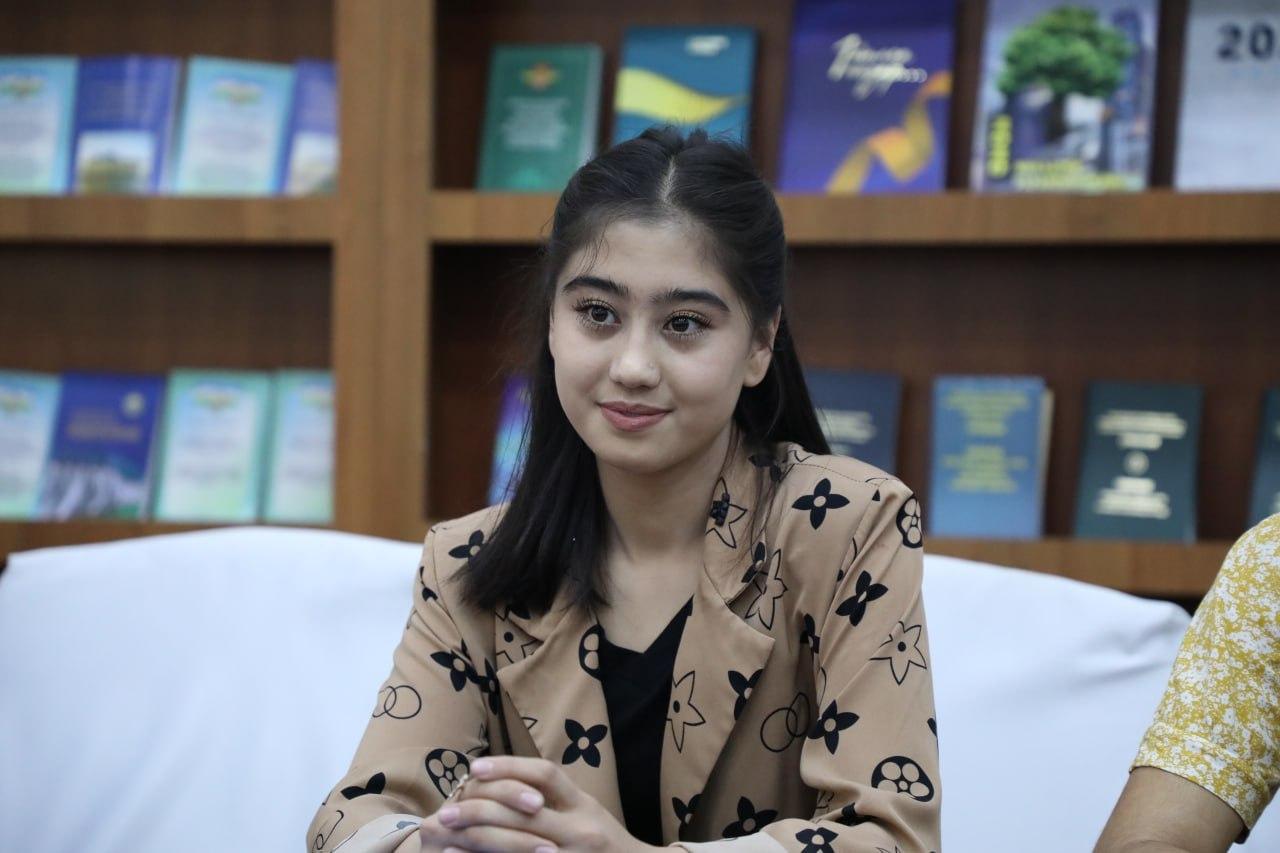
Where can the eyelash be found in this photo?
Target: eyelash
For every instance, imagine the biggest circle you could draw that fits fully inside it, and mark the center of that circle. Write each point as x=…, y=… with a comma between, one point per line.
x=583, y=309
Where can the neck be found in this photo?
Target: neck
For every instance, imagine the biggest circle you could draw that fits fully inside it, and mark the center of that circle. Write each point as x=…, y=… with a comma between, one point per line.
x=653, y=516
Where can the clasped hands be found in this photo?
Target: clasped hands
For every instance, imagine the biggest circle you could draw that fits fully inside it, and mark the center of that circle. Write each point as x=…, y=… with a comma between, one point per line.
x=514, y=804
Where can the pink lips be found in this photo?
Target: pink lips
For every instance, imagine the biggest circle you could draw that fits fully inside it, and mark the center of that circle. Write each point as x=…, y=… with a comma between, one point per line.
x=630, y=417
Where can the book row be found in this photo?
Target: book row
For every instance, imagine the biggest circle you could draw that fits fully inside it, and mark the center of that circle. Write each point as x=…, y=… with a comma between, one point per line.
x=193, y=446
x=148, y=124
x=990, y=445
x=1065, y=100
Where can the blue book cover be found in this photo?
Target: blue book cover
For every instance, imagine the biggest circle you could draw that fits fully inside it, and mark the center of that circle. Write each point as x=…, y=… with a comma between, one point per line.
x=211, y=449
x=869, y=96
x=311, y=161
x=299, y=470
x=37, y=103
x=513, y=416
x=859, y=413
x=1138, y=464
x=1066, y=96
x=100, y=462
x=989, y=457
x=28, y=406
x=232, y=135
x=686, y=76
x=1266, y=476
x=125, y=109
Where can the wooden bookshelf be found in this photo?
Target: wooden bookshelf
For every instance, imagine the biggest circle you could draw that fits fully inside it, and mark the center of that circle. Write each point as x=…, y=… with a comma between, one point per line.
x=955, y=218
x=166, y=220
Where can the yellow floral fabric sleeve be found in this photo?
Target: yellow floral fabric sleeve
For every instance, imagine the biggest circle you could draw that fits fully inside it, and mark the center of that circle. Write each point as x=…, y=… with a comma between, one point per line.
x=1218, y=724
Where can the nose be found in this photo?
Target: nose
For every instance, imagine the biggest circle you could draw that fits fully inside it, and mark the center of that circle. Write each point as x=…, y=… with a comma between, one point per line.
x=634, y=365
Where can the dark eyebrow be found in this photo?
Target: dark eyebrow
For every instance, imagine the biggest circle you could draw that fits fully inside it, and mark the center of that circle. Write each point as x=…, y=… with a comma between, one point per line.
x=674, y=294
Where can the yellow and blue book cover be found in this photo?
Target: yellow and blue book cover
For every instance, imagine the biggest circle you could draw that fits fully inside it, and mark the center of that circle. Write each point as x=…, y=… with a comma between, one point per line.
x=691, y=77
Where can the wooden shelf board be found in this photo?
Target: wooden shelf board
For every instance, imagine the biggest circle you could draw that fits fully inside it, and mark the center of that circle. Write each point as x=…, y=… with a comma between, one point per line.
x=28, y=535
x=159, y=220
x=954, y=218
x=1144, y=568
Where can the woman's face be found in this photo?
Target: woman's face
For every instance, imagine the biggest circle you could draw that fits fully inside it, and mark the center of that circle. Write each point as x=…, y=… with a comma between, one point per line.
x=652, y=347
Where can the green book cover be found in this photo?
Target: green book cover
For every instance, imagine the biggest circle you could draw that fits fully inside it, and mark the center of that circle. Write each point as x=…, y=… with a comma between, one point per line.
x=299, y=482
x=541, y=115
x=215, y=427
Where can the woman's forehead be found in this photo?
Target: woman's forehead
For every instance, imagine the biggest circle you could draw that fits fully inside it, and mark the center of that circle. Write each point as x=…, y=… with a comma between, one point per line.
x=646, y=259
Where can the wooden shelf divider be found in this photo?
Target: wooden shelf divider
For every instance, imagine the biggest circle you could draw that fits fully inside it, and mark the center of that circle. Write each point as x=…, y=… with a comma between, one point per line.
x=952, y=218
x=161, y=219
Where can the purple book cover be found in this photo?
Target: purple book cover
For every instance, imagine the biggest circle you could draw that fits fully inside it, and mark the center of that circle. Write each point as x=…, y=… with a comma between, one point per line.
x=869, y=96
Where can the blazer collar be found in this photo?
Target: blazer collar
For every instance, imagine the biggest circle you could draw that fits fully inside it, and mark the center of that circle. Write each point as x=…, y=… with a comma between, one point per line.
x=556, y=685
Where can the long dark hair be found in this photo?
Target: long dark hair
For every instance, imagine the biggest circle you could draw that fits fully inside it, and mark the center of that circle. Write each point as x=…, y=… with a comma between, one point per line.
x=552, y=531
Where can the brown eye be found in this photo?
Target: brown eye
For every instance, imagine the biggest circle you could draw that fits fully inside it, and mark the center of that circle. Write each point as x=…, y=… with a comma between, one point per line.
x=680, y=324
x=599, y=313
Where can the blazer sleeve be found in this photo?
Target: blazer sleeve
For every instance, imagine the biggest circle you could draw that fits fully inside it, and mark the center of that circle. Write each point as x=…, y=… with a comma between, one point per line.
x=872, y=751
x=427, y=723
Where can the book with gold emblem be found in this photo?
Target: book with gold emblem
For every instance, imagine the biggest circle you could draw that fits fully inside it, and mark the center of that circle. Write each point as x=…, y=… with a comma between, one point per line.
x=541, y=115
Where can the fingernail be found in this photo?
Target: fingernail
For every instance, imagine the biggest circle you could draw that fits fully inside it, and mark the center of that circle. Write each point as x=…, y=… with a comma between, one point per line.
x=448, y=814
x=482, y=767
x=531, y=799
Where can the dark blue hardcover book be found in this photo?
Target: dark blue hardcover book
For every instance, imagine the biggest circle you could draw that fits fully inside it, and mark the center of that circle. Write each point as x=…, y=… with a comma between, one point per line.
x=311, y=159
x=686, y=76
x=1138, y=464
x=1266, y=477
x=125, y=107
x=859, y=413
x=869, y=95
x=100, y=462
x=990, y=456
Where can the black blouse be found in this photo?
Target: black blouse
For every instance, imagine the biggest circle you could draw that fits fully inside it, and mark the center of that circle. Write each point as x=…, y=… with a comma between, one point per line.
x=637, y=688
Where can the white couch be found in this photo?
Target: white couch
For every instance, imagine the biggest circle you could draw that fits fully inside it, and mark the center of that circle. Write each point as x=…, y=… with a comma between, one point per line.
x=190, y=692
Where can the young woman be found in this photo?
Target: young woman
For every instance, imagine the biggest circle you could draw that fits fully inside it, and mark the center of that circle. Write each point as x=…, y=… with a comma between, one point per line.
x=689, y=623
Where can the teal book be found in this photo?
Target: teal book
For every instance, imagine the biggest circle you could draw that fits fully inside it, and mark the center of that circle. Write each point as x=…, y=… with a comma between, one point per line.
x=542, y=114
x=990, y=451
x=691, y=77
x=1266, y=476
x=513, y=417
x=1138, y=463
x=210, y=463
x=37, y=107
x=235, y=117
x=28, y=406
x=299, y=481
x=858, y=413
x=101, y=460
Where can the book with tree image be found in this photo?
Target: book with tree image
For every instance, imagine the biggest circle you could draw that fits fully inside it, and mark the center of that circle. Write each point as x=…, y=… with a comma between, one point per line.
x=1066, y=96
x=125, y=107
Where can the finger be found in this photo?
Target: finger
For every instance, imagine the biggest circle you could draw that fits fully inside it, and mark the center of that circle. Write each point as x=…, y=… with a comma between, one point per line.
x=538, y=772
x=511, y=792
x=481, y=838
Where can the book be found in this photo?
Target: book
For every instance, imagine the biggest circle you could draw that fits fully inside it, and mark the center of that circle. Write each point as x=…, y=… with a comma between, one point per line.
x=508, y=461
x=1066, y=96
x=990, y=454
x=689, y=77
x=125, y=107
x=868, y=96
x=28, y=406
x=232, y=134
x=1266, y=476
x=1138, y=464
x=1230, y=113
x=299, y=480
x=541, y=116
x=858, y=413
x=211, y=447
x=311, y=159
x=100, y=461
x=37, y=103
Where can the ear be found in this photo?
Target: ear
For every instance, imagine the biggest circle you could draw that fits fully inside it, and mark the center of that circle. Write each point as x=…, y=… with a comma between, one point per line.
x=761, y=353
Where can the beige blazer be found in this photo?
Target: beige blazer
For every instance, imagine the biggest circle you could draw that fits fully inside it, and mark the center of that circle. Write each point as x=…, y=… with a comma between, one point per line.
x=801, y=715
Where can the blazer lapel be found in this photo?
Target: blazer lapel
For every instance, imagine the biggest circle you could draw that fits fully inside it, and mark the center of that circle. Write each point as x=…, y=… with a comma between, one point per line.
x=720, y=655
